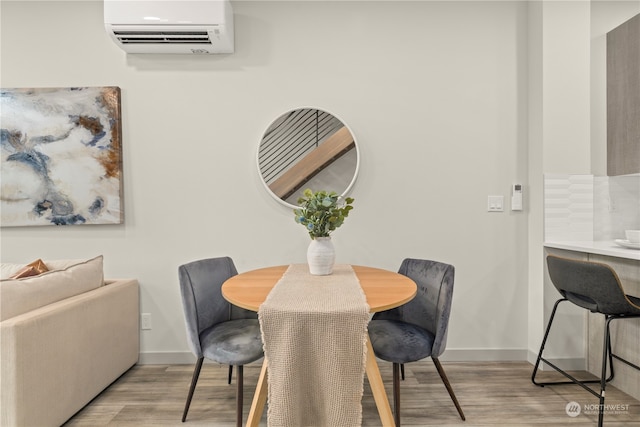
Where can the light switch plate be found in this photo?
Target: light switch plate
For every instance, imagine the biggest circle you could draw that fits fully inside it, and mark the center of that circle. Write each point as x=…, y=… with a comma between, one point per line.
x=495, y=204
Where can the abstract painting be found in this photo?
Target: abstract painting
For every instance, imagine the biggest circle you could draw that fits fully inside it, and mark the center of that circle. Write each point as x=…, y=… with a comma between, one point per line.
x=61, y=158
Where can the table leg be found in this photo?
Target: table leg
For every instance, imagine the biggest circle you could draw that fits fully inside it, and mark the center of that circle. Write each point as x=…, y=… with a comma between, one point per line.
x=375, y=382
x=259, y=398
x=377, y=387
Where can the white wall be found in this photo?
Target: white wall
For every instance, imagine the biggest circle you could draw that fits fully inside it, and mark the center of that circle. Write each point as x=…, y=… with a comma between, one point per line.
x=435, y=93
x=535, y=225
x=566, y=87
x=559, y=97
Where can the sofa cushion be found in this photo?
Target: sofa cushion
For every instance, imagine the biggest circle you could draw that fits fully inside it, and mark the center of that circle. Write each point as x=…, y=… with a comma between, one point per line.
x=61, y=264
x=19, y=296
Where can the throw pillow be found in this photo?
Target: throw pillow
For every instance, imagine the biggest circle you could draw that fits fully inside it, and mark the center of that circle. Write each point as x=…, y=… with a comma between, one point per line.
x=32, y=269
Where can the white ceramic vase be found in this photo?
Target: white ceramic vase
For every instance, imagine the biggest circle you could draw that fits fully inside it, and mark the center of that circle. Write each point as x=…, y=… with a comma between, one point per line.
x=321, y=256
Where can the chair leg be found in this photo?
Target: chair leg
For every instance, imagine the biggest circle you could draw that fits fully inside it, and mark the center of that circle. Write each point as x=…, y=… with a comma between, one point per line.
x=402, y=370
x=239, y=396
x=396, y=393
x=445, y=380
x=544, y=341
x=610, y=352
x=540, y=358
x=607, y=353
x=230, y=373
x=603, y=382
x=194, y=380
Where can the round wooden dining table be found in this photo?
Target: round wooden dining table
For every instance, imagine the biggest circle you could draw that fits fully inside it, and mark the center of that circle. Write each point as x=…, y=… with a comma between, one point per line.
x=383, y=290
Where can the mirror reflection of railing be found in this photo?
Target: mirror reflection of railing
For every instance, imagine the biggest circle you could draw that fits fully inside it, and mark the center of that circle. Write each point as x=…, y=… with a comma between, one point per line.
x=307, y=148
x=297, y=146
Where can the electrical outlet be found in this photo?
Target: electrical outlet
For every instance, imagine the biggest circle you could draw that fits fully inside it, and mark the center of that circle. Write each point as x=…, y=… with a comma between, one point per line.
x=145, y=321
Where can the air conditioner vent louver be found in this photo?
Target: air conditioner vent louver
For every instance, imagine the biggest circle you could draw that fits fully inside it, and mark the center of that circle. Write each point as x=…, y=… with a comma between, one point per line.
x=170, y=26
x=163, y=37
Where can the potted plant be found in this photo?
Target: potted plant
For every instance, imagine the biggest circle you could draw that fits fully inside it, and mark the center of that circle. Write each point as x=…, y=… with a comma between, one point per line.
x=321, y=213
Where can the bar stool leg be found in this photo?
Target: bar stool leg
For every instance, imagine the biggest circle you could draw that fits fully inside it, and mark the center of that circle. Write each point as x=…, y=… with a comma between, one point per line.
x=606, y=348
x=544, y=341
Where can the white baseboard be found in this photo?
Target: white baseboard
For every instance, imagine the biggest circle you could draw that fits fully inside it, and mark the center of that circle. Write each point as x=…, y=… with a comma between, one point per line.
x=568, y=363
x=452, y=355
x=484, y=355
x=166, y=358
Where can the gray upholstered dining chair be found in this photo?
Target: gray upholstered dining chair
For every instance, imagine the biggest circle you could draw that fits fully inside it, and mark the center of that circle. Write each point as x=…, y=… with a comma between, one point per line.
x=417, y=329
x=216, y=329
x=596, y=287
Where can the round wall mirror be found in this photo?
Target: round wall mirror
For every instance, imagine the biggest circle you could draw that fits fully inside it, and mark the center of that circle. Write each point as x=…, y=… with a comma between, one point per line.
x=307, y=148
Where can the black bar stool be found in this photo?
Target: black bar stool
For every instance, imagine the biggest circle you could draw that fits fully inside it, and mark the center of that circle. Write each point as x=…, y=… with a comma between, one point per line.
x=597, y=288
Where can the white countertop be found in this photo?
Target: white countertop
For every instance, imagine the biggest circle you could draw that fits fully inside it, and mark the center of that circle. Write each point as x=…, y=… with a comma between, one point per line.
x=601, y=247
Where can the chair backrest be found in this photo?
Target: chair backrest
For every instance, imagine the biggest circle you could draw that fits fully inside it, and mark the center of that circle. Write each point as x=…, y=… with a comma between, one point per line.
x=591, y=285
x=204, y=306
x=431, y=307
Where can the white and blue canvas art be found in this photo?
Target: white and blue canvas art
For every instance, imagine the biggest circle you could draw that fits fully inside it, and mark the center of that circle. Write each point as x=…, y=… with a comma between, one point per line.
x=61, y=158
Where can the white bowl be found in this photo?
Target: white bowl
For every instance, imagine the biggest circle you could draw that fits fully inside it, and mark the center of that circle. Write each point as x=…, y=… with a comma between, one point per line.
x=633, y=236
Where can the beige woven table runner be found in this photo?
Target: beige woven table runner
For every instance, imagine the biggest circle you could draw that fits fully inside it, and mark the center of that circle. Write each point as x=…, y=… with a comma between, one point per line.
x=314, y=330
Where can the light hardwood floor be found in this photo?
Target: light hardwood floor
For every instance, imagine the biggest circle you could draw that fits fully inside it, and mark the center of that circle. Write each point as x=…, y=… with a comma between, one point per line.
x=496, y=393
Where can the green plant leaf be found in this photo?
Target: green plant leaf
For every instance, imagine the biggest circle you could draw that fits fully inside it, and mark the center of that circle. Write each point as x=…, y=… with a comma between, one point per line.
x=322, y=212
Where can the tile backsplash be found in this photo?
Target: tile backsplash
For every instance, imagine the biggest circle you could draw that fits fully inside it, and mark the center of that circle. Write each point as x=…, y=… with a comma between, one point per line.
x=617, y=206
x=586, y=207
x=568, y=207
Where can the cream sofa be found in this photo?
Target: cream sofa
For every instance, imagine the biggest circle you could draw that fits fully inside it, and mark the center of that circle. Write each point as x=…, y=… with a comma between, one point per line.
x=65, y=335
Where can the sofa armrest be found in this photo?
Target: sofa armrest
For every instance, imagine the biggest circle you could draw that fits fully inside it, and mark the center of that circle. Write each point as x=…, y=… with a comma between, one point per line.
x=55, y=359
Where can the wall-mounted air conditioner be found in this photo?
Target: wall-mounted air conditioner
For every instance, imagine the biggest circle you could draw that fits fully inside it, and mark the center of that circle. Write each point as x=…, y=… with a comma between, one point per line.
x=170, y=26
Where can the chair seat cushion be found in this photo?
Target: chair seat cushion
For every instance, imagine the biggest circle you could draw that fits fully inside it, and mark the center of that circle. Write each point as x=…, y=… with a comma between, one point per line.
x=635, y=301
x=399, y=342
x=235, y=342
